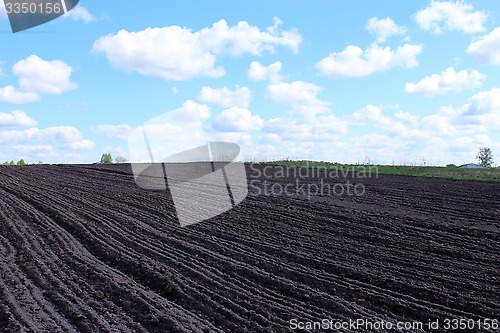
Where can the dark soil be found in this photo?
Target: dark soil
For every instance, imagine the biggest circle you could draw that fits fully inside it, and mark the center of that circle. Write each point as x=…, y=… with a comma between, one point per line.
x=83, y=249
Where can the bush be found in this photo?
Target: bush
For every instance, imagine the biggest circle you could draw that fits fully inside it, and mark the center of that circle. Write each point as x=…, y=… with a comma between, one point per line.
x=106, y=158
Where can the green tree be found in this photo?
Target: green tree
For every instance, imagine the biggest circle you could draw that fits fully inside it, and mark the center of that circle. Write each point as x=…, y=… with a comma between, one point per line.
x=12, y=162
x=485, y=157
x=106, y=158
x=21, y=162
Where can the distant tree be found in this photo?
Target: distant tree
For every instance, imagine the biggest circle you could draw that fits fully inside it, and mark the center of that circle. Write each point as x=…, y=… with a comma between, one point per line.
x=120, y=159
x=12, y=162
x=21, y=162
x=106, y=158
x=485, y=157
x=40, y=162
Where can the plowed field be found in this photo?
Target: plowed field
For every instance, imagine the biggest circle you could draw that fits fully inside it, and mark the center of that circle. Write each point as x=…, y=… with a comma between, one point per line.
x=83, y=249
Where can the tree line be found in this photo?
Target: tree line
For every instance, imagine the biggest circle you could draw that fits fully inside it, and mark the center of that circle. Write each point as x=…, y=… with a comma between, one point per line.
x=484, y=157
x=21, y=162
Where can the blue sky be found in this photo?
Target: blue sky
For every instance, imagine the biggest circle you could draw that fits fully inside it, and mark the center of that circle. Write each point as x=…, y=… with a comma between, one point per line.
x=347, y=81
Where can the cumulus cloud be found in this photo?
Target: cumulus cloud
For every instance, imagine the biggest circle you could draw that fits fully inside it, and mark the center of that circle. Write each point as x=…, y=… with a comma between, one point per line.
x=477, y=117
x=309, y=118
x=237, y=119
x=487, y=48
x=40, y=76
x=176, y=53
x=80, y=13
x=451, y=15
x=483, y=109
x=436, y=123
x=259, y=72
x=37, y=76
x=113, y=131
x=83, y=144
x=67, y=136
x=384, y=28
x=355, y=62
x=44, y=148
x=224, y=97
x=449, y=136
x=169, y=133
x=16, y=118
x=10, y=94
x=449, y=81
x=373, y=114
x=192, y=111
x=317, y=129
x=300, y=96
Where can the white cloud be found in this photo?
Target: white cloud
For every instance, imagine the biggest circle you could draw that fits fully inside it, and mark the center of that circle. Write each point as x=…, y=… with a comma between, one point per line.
x=16, y=118
x=483, y=109
x=320, y=128
x=171, y=53
x=83, y=144
x=40, y=76
x=439, y=123
x=237, y=119
x=259, y=72
x=384, y=28
x=224, y=97
x=192, y=112
x=45, y=148
x=37, y=76
x=113, y=131
x=67, y=136
x=480, y=115
x=452, y=16
x=169, y=133
x=300, y=97
x=309, y=118
x=297, y=92
x=80, y=13
x=354, y=62
x=373, y=114
x=487, y=48
x=11, y=95
x=406, y=117
x=449, y=81
x=175, y=53
x=451, y=135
